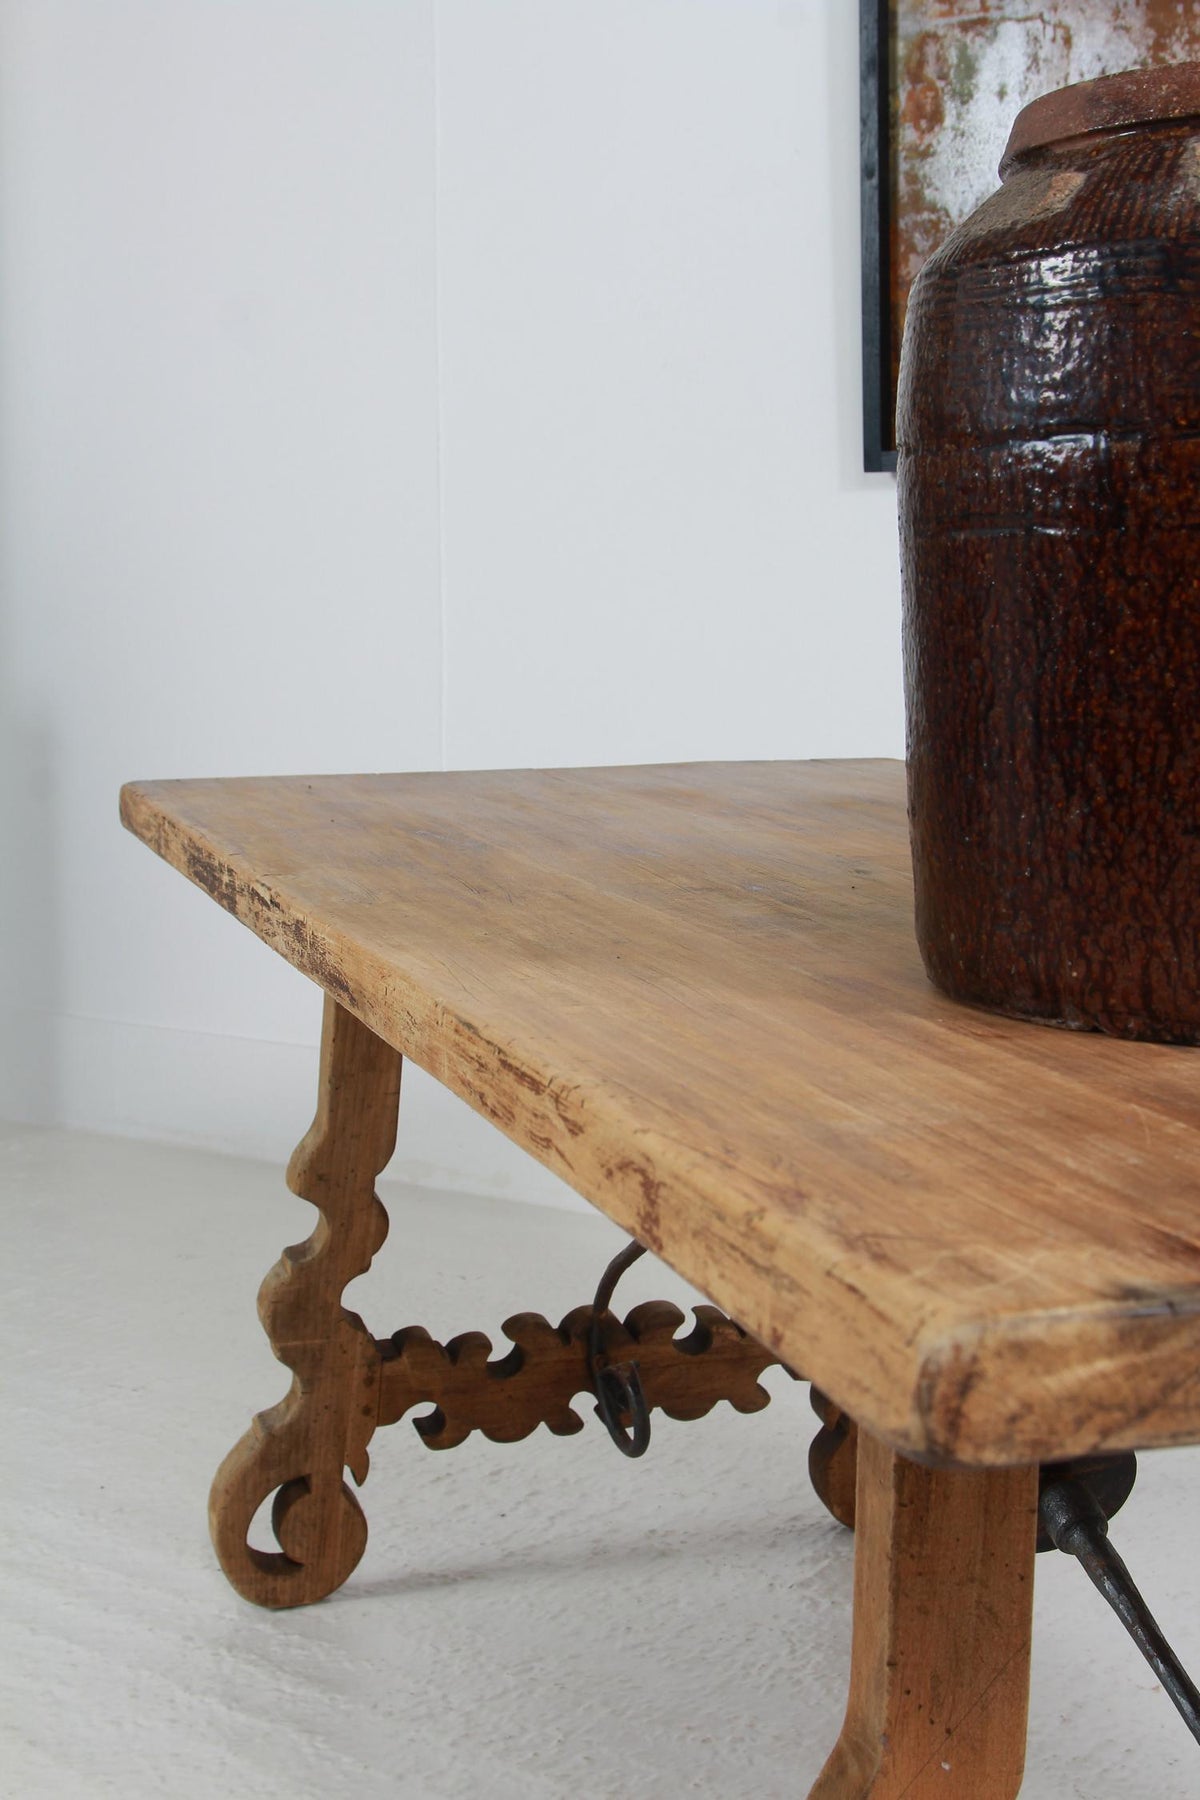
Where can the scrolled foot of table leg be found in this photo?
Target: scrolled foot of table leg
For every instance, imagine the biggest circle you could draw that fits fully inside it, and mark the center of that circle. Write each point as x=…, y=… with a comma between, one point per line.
x=318, y=1524
x=299, y=1519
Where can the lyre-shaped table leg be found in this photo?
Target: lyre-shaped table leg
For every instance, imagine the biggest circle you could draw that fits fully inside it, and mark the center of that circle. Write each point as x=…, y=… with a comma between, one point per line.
x=943, y=1597
x=302, y=1446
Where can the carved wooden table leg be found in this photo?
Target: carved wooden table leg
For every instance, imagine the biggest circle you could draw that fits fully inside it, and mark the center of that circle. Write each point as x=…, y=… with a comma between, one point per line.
x=943, y=1595
x=833, y=1459
x=323, y=1426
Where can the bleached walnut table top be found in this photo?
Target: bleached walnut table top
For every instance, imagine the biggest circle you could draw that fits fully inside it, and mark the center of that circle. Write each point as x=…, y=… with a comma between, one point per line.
x=693, y=992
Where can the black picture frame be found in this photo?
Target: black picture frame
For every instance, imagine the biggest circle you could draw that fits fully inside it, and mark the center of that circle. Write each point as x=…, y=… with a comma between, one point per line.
x=879, y=404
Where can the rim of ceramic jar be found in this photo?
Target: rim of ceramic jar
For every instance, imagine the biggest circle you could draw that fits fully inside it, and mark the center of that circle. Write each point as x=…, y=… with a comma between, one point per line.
x=1165, y=95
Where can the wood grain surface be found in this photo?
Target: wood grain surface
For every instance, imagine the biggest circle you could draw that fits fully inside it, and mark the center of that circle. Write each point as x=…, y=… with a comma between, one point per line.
x=693, y=992
x=943, y=1619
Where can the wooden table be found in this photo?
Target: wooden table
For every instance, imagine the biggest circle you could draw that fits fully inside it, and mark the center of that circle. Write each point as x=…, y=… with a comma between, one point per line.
x=693, y=992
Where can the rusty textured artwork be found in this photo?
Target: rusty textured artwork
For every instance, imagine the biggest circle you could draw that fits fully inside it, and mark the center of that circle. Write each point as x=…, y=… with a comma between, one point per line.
x=963, y=69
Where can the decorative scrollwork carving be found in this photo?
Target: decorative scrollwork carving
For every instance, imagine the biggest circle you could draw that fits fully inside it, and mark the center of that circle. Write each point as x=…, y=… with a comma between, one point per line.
x=345, y=1382
x=303, y=1446
x=535, y=1382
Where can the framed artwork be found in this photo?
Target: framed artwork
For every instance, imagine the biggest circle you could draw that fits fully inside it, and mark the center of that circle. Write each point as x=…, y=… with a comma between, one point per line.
x=942, y=81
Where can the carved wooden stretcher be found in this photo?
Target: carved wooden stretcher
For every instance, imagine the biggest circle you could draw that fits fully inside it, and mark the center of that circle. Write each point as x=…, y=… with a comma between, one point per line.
x=692, y=991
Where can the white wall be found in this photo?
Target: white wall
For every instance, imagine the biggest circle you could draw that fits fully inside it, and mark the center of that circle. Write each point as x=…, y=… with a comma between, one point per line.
x=658, y=540
x=395, y=384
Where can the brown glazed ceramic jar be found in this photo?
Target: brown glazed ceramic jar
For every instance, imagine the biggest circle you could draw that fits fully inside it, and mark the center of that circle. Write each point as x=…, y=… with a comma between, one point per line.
x=1049, y=473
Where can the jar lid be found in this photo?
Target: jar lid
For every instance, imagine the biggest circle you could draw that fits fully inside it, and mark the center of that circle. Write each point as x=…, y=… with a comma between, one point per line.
x=1137, y=97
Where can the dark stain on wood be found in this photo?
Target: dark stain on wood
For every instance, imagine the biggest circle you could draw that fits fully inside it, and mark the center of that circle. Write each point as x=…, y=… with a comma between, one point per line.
x=214, y=876
x=945, y=1386
x=523, y=1076
x=568, y=1118
x=629, y=1171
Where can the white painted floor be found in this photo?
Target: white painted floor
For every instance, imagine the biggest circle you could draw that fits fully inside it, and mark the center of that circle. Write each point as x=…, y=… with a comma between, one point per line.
x=530, y=1622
